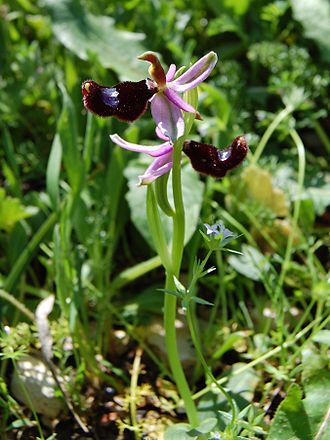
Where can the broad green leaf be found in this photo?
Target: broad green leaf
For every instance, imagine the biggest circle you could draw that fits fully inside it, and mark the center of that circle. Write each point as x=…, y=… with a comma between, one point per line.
x=253, y=264
x=192, y=194
x=180, y=431
x=314, y=16
x=204, y=427
x=317, y=403
x=291, y=421
x=11, y=211
x=84, y=33
x=308, y=418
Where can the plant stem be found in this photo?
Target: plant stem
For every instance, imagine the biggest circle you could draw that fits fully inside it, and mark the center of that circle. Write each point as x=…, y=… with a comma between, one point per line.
x=268, y=354
x=206, y=368
x=170, y=300
x=279, y=295
x=21, y=307
x=134, y=391
x=270, y=129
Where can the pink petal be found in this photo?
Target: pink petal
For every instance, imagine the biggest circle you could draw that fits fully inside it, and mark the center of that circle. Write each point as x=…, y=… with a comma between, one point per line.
x=170, y=73
x=161, y=135
x=197, y=73
x=167, y=116
x=154, y=151
x=179, y=102
x=159, y=166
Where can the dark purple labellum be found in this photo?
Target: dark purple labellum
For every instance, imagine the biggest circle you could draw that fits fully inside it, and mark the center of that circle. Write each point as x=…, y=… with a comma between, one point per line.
x=209, y=160
x=126, y=101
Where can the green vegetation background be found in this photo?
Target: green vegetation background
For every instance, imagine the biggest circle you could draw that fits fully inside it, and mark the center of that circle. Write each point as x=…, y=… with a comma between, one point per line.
x=72, y=222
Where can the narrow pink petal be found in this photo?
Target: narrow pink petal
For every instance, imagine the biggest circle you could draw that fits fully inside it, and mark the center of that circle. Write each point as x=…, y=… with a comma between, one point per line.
x=152, y=150
x=161, y=135
x=170, y=73
x=167, y=116
x=178, y=101
x=159, y=166
x=197, y=73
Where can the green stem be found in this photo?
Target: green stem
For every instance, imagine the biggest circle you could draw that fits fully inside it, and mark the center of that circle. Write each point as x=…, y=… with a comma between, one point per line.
x=156, y=229
x=190, y=320
x=173, y=355
x=265, y=356
x=268, y=133
x=13, y=301
x=294, y=224
x=170, y=300
x=172, y=268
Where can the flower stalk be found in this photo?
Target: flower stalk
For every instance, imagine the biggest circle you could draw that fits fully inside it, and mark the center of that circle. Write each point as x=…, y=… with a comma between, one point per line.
x=170, y=300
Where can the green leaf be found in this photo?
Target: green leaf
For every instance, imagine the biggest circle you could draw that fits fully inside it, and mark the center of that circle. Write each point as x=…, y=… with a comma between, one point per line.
x=201, y=301
x=205, y=427
x=317, y=404
x=193, y=190
x=253, y=264
x=11, y=211
x=84, y=33
x=291, y=421
x=306, y=419
x=53, y=170
x=67, y=130
x=314, y=16
x=180, y=431
x=242, y=388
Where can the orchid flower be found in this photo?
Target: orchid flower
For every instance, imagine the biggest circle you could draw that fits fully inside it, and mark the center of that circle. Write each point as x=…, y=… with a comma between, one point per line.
x=166, y=104
x=166, y=109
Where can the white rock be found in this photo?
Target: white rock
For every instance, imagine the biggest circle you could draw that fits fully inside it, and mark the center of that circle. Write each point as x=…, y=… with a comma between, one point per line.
x=33, y=384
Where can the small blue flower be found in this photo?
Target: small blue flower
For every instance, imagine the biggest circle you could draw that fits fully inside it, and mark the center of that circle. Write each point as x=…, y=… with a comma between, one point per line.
x=217, y=235
x=213, y=230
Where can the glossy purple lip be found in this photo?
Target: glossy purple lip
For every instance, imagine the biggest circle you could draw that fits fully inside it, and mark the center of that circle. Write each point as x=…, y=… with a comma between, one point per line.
x=211, y=161
x=126, y=101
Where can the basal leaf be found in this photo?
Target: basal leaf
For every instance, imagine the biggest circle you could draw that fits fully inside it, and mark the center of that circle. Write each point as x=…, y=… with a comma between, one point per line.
x=84, y=33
